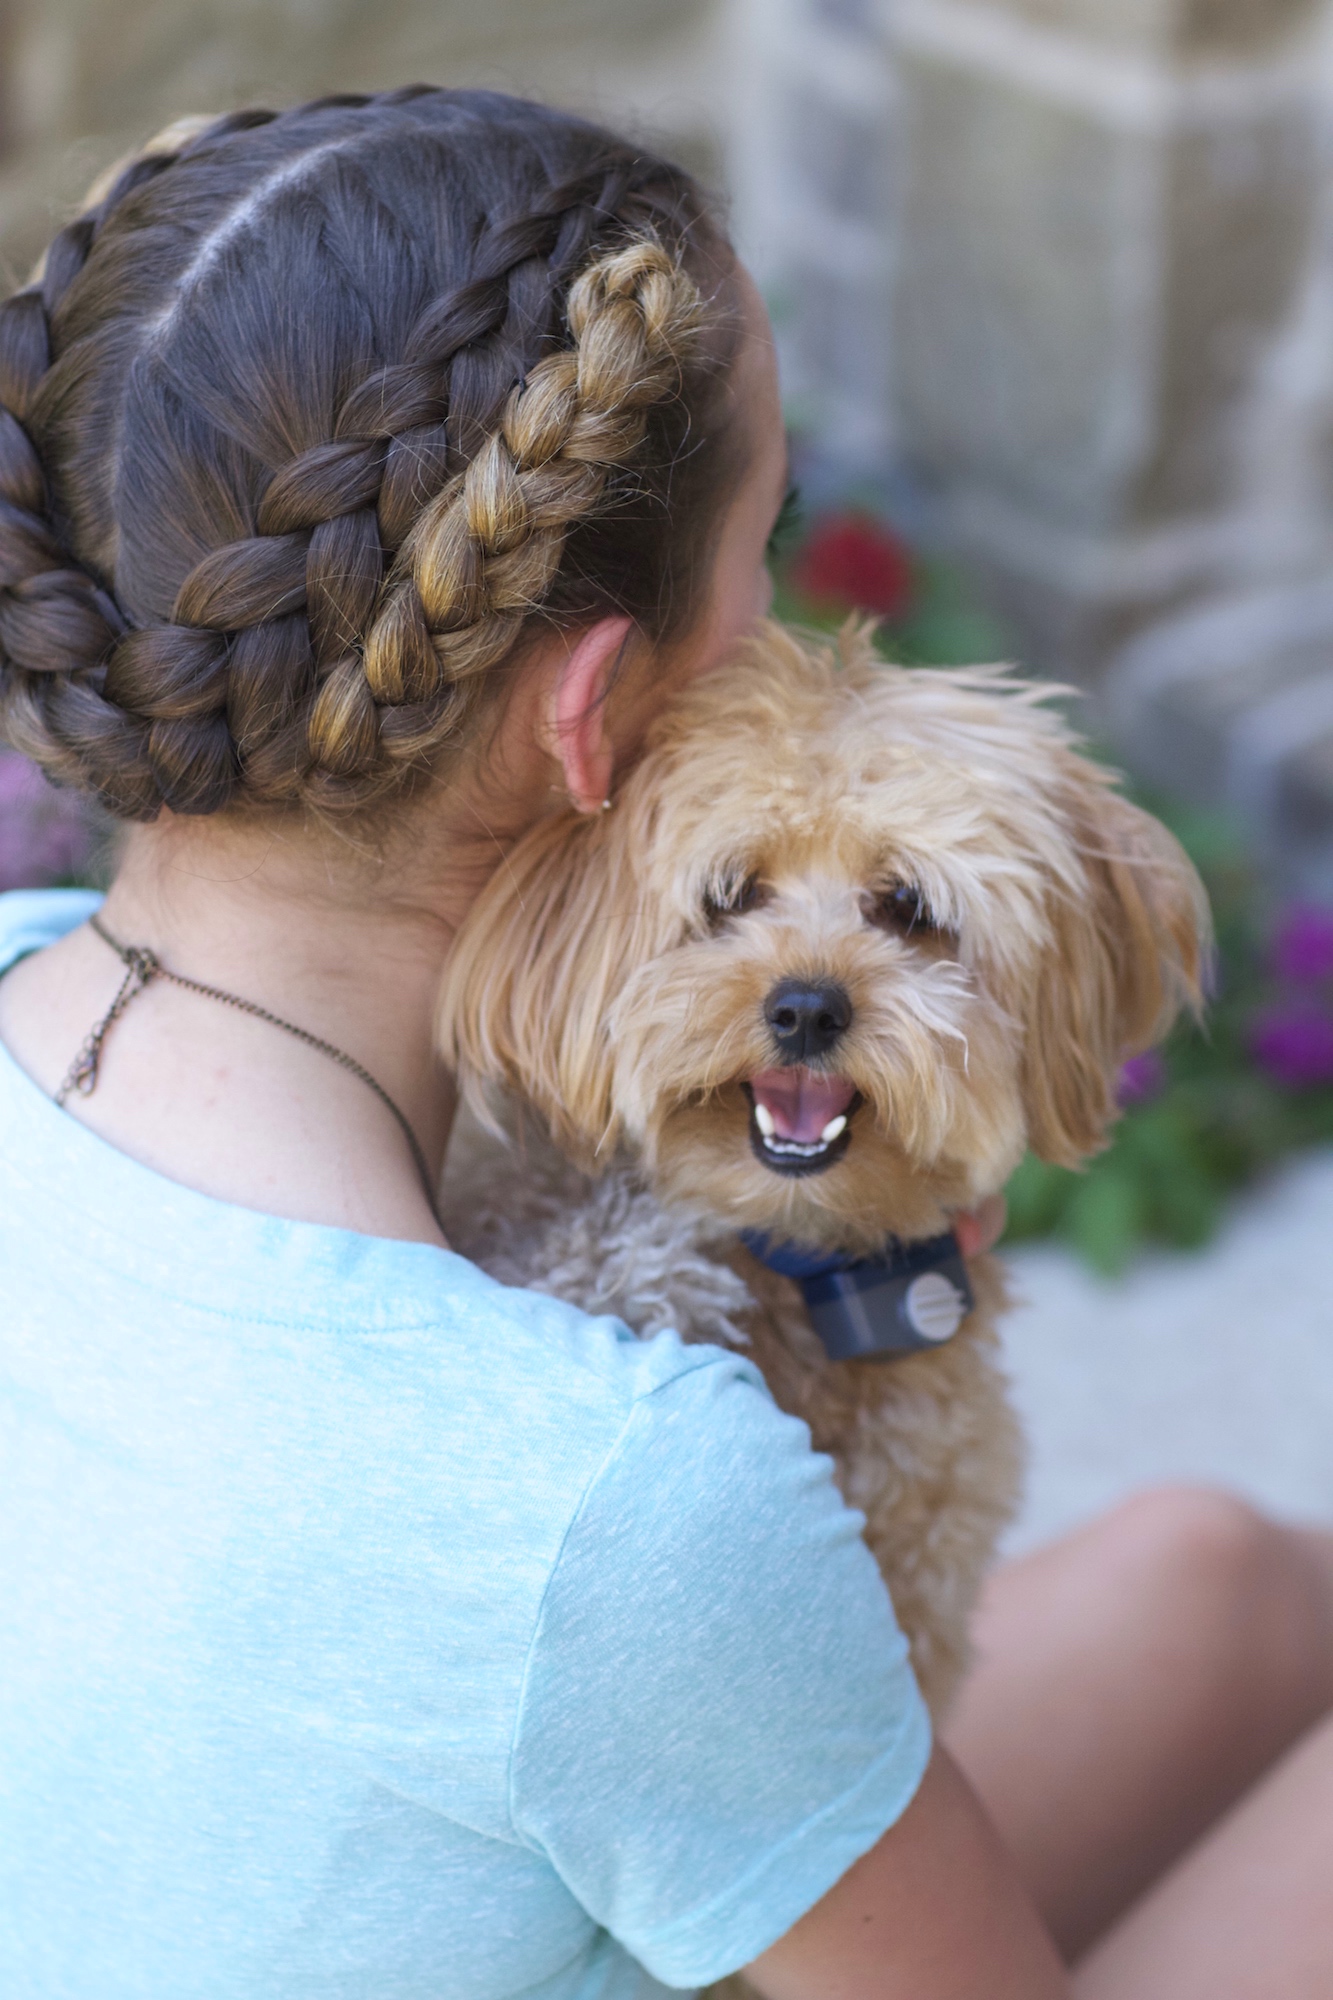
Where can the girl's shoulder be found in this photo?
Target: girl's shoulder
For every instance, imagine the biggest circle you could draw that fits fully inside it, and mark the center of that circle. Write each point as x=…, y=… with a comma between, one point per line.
x=184, y=1250
x=33, y=918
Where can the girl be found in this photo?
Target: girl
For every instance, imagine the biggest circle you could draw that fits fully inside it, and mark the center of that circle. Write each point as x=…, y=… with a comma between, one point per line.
x=366, y=474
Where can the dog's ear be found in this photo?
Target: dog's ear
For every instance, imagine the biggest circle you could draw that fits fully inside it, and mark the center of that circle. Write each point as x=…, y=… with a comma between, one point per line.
x=527, y=995
x=1126, y=951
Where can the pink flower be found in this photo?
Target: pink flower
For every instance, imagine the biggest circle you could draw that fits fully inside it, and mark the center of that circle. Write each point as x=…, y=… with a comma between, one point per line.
x=1302, y=950
x=851, y=563
x=43, y=832
x=1295, y=1045
x=1142, y=1077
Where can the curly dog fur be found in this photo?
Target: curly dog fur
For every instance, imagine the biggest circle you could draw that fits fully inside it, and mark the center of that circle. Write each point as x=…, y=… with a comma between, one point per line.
x=999, y=930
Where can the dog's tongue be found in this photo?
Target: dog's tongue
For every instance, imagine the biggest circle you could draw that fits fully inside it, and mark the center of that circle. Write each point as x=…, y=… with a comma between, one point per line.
x=799, y=1102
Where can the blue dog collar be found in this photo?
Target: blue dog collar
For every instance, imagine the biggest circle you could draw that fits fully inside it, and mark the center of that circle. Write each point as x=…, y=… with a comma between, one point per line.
x=911, y=1297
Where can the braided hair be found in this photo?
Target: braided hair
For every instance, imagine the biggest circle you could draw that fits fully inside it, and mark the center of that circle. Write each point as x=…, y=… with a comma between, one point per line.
x=313, y=415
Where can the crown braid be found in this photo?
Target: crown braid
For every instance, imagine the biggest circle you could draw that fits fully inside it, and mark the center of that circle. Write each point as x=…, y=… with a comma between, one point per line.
x=482, y=555
x=345, y=641
x=57, y=624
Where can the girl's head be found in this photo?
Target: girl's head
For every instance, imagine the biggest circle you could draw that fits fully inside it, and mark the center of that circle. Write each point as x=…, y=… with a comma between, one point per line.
x=317, y=422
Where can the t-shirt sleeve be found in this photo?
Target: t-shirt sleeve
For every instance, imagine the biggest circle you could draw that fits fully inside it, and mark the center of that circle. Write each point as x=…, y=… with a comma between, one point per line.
x=719, y=1716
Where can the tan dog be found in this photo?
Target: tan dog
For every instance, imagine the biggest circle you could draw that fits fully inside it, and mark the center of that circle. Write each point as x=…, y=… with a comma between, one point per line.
x=853, y=938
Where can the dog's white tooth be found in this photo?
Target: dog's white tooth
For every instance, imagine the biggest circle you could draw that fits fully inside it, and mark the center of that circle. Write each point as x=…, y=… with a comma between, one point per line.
x=763, y=1118
x=834, y=1129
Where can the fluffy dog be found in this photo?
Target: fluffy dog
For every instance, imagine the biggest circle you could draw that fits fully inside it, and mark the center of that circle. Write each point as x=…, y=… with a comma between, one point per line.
x=852, y=938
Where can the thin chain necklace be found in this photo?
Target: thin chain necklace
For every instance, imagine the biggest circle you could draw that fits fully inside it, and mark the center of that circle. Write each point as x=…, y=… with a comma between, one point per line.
x=142, y=967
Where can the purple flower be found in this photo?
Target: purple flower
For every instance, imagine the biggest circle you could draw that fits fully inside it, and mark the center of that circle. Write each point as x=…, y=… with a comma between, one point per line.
x=1295, y=1045
x=43, y=832
x=1142, y=1077
x=1302, y=950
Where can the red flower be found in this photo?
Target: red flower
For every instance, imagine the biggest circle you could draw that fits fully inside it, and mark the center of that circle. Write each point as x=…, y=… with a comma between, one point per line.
x=851, y=563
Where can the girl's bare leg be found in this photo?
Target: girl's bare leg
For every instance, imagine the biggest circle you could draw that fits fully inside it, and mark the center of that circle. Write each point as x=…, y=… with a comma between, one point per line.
x=1133, y=1681
x=1247, y=1914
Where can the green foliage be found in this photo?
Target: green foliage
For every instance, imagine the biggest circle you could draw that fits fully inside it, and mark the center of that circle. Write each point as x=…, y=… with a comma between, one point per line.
x=943, y=626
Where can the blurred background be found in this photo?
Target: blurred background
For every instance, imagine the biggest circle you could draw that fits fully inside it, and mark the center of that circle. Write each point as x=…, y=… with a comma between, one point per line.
x=1053, y=286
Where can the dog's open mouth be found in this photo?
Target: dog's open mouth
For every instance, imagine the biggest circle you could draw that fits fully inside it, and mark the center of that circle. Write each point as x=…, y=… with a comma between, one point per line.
x=800, y=1121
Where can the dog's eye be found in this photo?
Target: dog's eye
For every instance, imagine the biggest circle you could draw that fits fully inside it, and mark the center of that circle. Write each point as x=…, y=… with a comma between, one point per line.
x=902, y=909
x=731, y=899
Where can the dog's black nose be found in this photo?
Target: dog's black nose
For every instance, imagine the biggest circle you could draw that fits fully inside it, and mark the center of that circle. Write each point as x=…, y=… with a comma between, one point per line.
x=807, y=1016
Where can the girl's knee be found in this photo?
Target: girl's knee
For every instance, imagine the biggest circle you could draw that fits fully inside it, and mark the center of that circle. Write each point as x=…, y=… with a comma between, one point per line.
x=1240, y=1598
x=1197, y=1538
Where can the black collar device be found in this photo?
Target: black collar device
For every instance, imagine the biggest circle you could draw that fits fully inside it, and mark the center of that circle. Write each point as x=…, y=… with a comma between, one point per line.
x=911, y=1297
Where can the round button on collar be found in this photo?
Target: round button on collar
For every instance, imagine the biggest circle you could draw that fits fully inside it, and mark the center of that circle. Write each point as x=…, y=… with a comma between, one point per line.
x=934, y=1307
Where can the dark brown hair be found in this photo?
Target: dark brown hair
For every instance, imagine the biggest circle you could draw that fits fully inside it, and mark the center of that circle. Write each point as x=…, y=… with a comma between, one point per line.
x=312, y=416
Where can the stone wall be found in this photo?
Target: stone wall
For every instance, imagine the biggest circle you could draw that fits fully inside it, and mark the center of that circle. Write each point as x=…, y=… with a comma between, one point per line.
x=1111, y=223
x=1176, y=27
x=811, y=160
x=85, y=80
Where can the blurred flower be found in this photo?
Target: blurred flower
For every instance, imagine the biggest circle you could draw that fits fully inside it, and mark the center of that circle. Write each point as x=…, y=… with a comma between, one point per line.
x=43, y=832
x=1302, y=950
x=1295, y=1045
x=1141, y=1078
x=853, y=563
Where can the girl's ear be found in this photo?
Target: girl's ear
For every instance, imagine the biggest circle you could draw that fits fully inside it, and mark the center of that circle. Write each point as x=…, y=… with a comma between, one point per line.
x=1125, y=953
x=575, y=722
x=534, y=969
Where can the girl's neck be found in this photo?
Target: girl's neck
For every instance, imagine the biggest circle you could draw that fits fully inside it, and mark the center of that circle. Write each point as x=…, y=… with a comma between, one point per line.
x=347, y=944
x=336, y=940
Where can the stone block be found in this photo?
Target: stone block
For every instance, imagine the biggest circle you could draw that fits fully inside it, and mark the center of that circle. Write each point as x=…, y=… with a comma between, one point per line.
x=1055, y=626
x=832, y=331
x=112, y=65
x=1024, y=267
x=1239, y=218
x=86, y=80
x=840, y=154
x=813, y=170
x=1308, y=794
x=861, y=17
x=1181, y=27
x=1231, y=704
x=1083, y=301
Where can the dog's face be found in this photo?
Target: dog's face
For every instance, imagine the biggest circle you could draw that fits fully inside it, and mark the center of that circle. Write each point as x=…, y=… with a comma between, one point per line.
x=852, y=938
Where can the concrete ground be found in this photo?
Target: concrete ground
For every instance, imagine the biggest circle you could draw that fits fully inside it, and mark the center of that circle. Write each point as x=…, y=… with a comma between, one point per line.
x=1215, y=1365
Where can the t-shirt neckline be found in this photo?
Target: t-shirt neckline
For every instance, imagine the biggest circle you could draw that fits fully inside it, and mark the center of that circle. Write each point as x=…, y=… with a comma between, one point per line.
x=129, y=1216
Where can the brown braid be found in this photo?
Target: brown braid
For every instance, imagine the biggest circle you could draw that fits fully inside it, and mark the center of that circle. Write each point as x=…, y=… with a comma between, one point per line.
x=463, y=486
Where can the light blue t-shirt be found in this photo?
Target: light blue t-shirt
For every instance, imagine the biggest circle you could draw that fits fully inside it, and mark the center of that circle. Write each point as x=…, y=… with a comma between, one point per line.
x=369, y=1629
